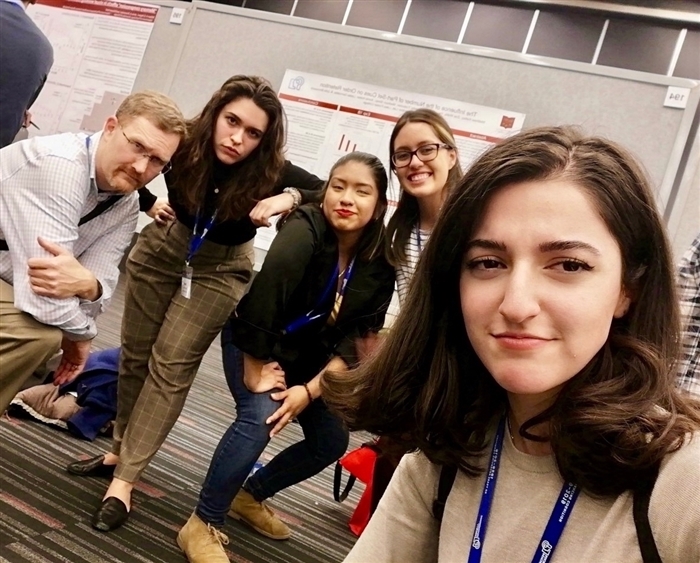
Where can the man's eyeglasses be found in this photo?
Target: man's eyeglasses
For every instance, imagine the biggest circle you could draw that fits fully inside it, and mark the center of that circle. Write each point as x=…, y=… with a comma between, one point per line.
x=425, y=153
x=138, y=149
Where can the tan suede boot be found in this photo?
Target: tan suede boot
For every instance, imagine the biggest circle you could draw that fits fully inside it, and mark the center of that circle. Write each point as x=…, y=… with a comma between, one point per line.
x=258, y=516
x=202, y=543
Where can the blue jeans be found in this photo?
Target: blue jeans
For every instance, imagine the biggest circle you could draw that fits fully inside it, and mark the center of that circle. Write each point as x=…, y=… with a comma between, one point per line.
x=325, y=441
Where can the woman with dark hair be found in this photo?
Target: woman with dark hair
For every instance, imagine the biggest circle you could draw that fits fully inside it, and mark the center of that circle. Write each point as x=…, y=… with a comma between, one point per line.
x=536, y=354
x=423, y=156
x=185, y=277
x=325, y=283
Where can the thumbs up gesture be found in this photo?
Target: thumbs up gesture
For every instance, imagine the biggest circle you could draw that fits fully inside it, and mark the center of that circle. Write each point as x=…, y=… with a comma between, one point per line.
x=60, y=275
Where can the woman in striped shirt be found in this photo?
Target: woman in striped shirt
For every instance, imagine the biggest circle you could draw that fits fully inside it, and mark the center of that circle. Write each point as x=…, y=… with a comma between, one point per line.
x=424, y=158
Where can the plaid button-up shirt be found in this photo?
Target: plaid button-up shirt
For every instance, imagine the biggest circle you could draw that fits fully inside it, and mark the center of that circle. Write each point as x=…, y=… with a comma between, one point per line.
x=46, y=185
x=689, y=292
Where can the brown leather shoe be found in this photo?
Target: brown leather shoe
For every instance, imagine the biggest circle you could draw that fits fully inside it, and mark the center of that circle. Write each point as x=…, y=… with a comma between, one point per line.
x=201, y=542
x=258, y=516
x=93, y=467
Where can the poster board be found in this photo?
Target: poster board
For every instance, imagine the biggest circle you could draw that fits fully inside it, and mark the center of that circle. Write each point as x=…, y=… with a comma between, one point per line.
x=328, y=117
x=623, y=105
x=98, y=48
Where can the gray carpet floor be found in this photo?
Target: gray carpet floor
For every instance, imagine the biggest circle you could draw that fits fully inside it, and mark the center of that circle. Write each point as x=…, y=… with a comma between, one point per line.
x=45, y=512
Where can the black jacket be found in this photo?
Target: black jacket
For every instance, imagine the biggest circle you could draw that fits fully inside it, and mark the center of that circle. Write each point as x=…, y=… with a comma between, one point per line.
x=297, y=269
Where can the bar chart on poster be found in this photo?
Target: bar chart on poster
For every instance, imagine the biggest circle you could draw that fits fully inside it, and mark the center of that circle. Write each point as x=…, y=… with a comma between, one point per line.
x=329, y=117
x=98, y=48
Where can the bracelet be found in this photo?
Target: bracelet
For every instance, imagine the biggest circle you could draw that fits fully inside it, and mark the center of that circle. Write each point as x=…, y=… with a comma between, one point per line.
x=311, y=399
x=296, y=197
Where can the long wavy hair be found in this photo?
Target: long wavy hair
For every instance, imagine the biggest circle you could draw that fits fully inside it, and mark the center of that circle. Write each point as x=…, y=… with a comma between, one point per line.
x=250, y=180
x=614, y=421
x=407, y=214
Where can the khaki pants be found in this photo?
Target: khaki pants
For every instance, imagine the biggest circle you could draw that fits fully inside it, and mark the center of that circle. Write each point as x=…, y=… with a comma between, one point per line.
x=165, y=336
x=25, y=345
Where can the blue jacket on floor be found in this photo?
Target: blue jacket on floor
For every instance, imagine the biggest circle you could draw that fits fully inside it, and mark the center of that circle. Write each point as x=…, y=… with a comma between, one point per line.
x=96, y=387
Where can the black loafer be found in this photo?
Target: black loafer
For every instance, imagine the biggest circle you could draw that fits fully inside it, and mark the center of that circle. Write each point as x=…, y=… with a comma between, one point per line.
x=110, y=515
x=93, y=467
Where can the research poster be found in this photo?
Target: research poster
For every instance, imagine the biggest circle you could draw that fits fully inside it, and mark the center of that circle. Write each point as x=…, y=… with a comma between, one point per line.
x=329, y=117
x=98, y=48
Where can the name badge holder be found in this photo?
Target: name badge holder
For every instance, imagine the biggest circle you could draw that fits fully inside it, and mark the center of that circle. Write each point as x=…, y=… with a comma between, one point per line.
x=196, y=241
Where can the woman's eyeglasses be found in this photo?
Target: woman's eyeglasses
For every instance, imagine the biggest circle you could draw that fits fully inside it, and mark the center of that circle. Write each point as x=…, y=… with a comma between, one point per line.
x=425, y=153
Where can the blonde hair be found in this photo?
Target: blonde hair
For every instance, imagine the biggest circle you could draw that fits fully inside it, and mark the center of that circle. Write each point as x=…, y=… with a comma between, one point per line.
x=158, y=108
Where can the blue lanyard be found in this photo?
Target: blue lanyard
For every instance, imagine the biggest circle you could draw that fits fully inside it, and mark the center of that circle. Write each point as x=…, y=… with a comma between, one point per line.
x=196, y=240
x=418, y=240
x=87, y=146
x=555, y=525
x=312, y=315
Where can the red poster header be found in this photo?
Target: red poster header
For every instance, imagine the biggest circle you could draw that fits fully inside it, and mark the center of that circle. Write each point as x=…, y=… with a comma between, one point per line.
x=308, y=101
x=124, y=10
x=372, y=114
x=477, y=136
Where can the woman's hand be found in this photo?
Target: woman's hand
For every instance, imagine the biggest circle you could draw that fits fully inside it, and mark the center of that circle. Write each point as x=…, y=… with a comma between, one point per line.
x=161, y=212
x=271, y=377
x=266, y=208
x=295, y=399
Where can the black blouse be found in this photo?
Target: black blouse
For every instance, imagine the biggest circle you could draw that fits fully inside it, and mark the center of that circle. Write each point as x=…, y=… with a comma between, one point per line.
x=301, y=261
x=235, y=232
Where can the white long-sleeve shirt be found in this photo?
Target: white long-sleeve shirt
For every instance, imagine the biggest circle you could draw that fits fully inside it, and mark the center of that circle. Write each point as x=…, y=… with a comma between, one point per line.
x=46, y=185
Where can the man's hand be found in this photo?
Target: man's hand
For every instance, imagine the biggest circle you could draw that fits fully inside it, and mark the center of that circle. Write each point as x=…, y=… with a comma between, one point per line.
x=75, y=355
x=161, y=212
x=266, y=208
x=61, y=275
x=294, y=400
x=271, y=376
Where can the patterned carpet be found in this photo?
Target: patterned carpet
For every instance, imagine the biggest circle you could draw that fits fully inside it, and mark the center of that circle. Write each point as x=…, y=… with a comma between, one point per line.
x=45, y=512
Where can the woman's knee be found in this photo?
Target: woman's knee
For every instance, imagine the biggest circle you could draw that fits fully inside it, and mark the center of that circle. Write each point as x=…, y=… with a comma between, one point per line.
x=333, y=444
x=253, y=409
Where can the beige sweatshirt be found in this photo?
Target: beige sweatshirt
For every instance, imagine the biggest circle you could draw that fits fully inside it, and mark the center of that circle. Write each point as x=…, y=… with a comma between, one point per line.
x=403, y=529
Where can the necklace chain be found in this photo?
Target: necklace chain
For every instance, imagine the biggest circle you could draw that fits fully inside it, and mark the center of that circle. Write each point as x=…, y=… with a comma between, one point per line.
x=510, y=430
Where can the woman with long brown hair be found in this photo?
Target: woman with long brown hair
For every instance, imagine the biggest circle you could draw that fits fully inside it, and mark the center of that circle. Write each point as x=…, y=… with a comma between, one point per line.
x=536, y=353
x=424, y=159
x=184, y=278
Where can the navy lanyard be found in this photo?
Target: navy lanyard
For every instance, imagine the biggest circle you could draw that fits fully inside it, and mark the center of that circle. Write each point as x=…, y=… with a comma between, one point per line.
x=87, y=146
x=196, y=240
x=418, y=240
x=555, y=525
x=313, y=315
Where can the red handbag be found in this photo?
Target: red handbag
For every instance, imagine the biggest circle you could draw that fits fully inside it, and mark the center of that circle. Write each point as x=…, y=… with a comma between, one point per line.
x=360, y=464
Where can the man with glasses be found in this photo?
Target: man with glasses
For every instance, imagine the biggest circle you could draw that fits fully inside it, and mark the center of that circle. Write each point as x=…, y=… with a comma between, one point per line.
x=68, y=210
